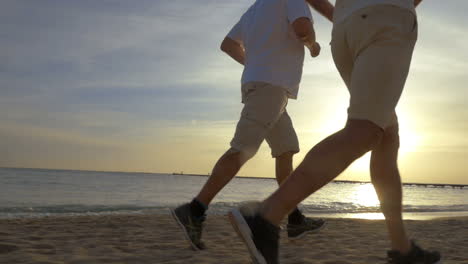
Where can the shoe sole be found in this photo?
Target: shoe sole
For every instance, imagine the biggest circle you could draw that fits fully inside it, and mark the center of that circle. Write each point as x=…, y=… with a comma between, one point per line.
x=293, y=239
x=176, y=218
x=243, y=231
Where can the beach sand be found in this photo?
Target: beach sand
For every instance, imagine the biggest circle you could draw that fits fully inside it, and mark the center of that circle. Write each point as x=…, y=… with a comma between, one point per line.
x=157, y=239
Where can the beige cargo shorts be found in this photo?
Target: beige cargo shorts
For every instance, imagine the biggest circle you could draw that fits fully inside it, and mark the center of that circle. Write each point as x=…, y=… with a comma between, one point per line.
x=264, y=117
x=372, y=50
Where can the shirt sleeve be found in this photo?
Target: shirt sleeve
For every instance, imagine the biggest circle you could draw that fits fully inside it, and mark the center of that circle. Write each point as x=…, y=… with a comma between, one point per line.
x=298, y=9
x=236, y=32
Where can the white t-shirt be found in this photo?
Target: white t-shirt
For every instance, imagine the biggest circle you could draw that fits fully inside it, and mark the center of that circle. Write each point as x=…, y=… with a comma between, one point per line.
x=273, y=53
x=344, y=8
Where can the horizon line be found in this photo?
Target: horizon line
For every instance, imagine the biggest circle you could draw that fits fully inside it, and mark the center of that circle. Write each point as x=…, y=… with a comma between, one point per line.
x=461, y=185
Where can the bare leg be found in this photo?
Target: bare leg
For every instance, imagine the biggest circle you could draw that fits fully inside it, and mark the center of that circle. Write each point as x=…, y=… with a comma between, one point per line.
x=228, y=166
x=223, y=172
x=283, y=170
x=283, y=166
x=323, y=163
x=386, y=179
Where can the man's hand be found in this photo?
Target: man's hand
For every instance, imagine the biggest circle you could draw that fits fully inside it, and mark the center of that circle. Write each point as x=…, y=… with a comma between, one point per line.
x=315, y=50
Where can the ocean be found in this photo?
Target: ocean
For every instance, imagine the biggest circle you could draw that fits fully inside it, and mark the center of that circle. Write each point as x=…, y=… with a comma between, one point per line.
x=42, y=192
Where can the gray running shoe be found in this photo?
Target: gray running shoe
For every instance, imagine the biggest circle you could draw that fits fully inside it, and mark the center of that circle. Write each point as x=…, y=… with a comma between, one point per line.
x=307, y=225
x=191, y=226
x=417, y=255
x=260, y=236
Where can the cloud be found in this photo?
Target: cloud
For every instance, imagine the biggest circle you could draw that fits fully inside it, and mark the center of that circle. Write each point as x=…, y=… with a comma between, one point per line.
x=126, y=81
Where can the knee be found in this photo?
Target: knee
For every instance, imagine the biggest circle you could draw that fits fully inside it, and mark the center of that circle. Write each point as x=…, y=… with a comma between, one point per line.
x=375, y=136
x=242, y=155
x=364, y=133
x=286, y=155
x=391, y=137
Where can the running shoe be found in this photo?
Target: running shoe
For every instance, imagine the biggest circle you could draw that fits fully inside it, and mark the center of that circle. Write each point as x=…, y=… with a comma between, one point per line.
x=191, y=226
x=307, y=225
x=260, y=236
x=417, y=255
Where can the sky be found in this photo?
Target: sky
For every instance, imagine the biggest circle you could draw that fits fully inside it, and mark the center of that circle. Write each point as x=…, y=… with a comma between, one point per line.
x=121, y=85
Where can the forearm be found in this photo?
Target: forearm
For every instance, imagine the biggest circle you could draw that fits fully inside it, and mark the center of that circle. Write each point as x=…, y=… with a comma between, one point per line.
x=304, y=30
x=310, y=42
x=306, y=34
x=238, y=54
x=234, y=49
x=324, y=7
x=417, y=2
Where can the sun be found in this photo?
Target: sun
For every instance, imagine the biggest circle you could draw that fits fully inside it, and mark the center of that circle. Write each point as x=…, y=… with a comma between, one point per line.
x=410, y=139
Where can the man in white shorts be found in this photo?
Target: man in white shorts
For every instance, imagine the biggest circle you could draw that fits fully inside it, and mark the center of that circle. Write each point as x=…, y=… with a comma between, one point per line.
x=372, y=45
x=269, y=41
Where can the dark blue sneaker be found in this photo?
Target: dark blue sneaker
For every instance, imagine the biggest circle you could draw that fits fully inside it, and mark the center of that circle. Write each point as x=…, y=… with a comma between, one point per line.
x=260, y=236
x=417, y=255
x=305, y=226
x=191, y=226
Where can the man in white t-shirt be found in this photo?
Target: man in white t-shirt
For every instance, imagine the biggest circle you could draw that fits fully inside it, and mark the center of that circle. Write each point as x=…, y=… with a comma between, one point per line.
x=372, y=45
x=269, y=41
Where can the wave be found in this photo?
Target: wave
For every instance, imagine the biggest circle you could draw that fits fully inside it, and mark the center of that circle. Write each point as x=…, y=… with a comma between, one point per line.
x=339, y=207
x=216, y=208
x=73, y=209
x=353, y=208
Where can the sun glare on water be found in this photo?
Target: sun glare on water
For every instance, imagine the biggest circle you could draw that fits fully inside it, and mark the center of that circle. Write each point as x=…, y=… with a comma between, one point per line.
x=365, y=195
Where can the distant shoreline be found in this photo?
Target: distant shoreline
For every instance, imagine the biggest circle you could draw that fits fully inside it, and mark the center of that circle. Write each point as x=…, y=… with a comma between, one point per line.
x=430, y=185
x=433, y=185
